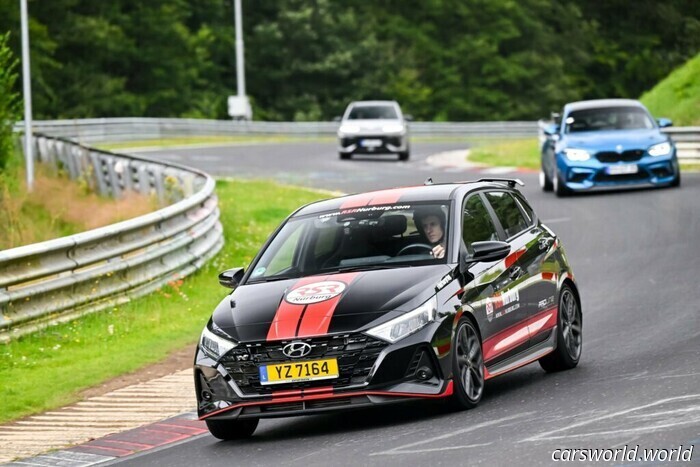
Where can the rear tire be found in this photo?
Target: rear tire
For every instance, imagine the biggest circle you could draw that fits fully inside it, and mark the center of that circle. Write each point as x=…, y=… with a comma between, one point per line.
x=569, y=334
x=232, y=429
x=403, y=156
x=467, y=366
x=345, y=155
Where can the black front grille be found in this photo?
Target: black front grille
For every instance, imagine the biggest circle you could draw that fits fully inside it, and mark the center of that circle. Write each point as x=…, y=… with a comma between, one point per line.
x=639, y=176
x=349, y=140
x=356, y=354
x=625, y=156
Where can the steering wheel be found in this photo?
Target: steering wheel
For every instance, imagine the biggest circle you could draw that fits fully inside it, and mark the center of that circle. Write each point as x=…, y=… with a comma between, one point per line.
x=414, y=245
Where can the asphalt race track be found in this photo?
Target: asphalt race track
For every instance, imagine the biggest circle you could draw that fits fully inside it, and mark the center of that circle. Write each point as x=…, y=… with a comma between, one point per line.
x=636, y=256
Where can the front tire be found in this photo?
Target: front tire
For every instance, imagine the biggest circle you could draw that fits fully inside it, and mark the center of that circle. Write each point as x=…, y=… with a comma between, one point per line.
x=676, y=181
x=545, y=181
x=232, y=429
x=467, y=366
x=345, y=155
x=403, y=156
x=558, y=186
x=569, y=334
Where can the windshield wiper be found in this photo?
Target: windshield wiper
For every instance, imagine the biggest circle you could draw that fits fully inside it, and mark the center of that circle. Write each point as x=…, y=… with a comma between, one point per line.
x=365, y=267
x=271, y=279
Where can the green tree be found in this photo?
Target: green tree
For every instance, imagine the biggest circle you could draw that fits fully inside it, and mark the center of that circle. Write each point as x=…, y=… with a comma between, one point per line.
x=9, y=100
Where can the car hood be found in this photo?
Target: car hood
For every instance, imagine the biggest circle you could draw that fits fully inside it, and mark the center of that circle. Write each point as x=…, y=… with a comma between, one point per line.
x=610, y=140
x=373, y=125
x=323, y=304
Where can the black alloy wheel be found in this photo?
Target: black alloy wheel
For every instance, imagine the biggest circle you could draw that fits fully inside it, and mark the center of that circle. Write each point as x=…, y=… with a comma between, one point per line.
x=232, y=429
x=569, y=334
x=467, y=366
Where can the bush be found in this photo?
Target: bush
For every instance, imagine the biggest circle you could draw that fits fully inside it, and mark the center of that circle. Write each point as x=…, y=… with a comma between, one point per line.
x=9, y=100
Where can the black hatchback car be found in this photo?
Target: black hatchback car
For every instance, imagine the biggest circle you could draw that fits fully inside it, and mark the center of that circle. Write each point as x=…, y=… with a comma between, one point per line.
x=388, y=296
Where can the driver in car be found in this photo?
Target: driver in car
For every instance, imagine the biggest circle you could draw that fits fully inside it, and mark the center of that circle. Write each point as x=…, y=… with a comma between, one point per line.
x=431, y=223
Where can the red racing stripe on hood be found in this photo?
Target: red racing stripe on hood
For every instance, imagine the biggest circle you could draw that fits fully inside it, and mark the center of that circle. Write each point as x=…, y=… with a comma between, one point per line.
x=284, y=324
x=317, y=317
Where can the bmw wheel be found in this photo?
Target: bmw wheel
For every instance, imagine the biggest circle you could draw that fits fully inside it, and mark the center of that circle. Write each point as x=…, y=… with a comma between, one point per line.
x=569, y=334
x=403, y=156
x=545, y=181
x=558, y=186
x=232, y=429
x=345, y=155
x=467, y=366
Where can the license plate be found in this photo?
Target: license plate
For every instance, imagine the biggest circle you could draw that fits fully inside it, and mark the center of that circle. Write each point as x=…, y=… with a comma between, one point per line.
x=371, y=143
x=623, y=169
x=298, y=371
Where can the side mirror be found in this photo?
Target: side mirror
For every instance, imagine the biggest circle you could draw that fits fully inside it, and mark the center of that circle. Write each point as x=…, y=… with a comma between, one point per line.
x=408, y=117
x=336, y=119
x=665, y=122
x=488, y=251
x=231, y=277
x=551, y=130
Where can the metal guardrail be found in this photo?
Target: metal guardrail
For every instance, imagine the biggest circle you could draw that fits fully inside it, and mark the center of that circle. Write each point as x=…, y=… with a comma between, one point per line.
x=62, y=279
x=687, y=139
x=130, y=129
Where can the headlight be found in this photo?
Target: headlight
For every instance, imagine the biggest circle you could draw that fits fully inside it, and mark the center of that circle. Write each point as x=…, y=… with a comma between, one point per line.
x=346, y=128
x=409, y=323
x=214, y=345
x=392, y=128
x=661, y=149
x=577, y=154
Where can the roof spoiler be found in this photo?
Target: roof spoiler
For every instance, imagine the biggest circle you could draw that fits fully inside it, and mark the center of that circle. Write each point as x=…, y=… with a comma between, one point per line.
x=510, y=181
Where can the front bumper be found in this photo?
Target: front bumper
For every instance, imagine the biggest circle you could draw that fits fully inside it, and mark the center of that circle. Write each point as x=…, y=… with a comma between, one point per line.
x=592, y=175
x=373, y=144
x=371, y=373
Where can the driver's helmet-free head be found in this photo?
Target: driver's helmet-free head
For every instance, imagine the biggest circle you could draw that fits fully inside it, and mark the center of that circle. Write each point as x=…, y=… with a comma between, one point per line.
x=423, y=212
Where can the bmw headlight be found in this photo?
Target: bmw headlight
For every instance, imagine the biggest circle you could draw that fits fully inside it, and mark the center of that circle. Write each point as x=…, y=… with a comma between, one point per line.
x=400, y=327
x=392, y=128
x=349, y=129
x=577, y=154
x=213, y=344
x=661, y=149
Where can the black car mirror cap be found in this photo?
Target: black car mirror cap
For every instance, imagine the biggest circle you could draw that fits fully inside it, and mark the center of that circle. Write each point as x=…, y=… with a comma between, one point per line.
x=664, y=122
x=336, y=119
x=484, y=252
x=231, y=277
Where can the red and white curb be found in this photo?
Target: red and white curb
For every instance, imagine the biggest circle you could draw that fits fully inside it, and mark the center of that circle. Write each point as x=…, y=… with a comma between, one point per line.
x=111, y=415
x=122, y=444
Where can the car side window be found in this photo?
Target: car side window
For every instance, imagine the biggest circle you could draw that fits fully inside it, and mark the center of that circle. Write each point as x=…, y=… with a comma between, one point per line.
x=529, y=213
x=477, y=225
x=508, y=212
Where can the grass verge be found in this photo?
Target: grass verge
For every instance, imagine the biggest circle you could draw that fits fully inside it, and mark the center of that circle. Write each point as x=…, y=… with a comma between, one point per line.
x=678, y=95
x=513, y=153
x=56, y=207
x=49, y=368
x=197, y=140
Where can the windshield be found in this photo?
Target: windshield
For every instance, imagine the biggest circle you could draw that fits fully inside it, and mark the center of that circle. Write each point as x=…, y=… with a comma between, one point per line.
x=371, y=237
x=372, y=112
x=611, y=118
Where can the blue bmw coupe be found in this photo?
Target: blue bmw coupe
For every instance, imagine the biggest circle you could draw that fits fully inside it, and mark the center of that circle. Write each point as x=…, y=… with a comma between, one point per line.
x=607, y=144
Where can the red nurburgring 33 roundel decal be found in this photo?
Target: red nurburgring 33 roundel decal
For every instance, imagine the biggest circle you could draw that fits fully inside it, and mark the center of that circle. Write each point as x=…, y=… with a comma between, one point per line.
x=316, y=292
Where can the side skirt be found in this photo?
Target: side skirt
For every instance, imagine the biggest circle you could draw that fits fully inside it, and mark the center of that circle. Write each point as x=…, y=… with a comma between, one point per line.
x=523, y=358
